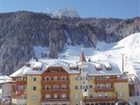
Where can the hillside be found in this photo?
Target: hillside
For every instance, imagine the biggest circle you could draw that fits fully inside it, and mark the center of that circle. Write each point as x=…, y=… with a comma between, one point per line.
x=129, y=46
x=21, y=33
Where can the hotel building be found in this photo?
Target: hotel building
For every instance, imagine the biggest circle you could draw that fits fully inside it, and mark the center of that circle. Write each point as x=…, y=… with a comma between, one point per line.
x=69, y=82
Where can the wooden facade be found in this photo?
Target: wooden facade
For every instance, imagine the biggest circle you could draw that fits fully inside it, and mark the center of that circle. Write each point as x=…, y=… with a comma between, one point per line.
x=55, y=85
x=19, y=86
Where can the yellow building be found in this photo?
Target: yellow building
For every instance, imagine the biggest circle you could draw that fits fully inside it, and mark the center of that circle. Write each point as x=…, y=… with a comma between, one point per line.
x=70, y=82
x=98, y=83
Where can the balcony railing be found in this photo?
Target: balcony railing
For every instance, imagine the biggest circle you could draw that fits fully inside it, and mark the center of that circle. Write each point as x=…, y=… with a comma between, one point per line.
x=44, y=91
x=55, y=99
x=43, y=82
x=21, y=82
x=110, y=80
x=18, y=93
x=99, y=99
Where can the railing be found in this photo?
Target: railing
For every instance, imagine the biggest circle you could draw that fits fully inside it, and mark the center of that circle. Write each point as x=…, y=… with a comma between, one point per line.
x=99, y=99
x=18, y=93
x=21, y=82
x=55, y=90
x=110, y=80
x=54, y=81
x=55, y=99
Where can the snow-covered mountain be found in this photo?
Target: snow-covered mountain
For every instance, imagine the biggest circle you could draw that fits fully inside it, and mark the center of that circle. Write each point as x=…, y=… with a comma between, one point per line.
x=22, y=32
x=67, y=12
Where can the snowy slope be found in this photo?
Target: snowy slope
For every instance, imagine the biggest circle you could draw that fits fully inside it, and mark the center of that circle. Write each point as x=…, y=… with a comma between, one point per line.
x=129, y=46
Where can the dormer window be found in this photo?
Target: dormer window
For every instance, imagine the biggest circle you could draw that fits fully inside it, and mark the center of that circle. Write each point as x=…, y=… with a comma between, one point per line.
x=98, y=67
x=37, y=66
x=107, y=66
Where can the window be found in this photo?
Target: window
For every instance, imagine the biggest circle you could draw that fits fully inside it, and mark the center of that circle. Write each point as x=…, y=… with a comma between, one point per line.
x=34, y=97
x=76, y=87
x=34, y=88
x=55, y=78
x=76, y=95
x=90, y=86
x=47, y=96
x=130, y=93
x=47, y=78
x=63, y=78
x=91, y=96
x=121, y=94
x=34, y=79
x=81, y=87
x=47, y=87
x=137, y=93
x=136, y=103
x=63, y=95
x=55, y=87
x=55, y=95
x=64, y=86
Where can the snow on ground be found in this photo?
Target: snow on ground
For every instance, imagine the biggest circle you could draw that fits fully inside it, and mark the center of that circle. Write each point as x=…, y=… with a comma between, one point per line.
x=129, y=46
x=40, y=51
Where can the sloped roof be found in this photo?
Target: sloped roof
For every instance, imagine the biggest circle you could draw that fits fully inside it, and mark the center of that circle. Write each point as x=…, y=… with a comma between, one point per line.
x=4, y=78
x=42, y=65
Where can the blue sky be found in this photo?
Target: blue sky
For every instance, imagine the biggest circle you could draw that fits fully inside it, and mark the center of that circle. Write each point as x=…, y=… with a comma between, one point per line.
x=85, y=8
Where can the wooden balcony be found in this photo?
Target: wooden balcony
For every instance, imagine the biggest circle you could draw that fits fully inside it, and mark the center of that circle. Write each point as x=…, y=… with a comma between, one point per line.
x=56, y=99
x=44, y=91
x=110, y=80
x=106, y=89
x=52, y=82
x=99, y=99
x=18, y=93
x=21, y=82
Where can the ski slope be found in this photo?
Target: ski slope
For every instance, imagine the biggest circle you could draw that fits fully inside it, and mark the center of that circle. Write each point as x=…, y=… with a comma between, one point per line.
x=129, y=47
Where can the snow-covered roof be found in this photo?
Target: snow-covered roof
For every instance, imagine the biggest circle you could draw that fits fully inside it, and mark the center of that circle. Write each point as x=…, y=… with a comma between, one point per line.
x=4, y=78
x=103, y=68
x=19, y=72
x=38, y=67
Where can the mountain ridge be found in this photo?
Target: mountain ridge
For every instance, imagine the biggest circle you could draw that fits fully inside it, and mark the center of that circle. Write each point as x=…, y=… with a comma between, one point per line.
x=21, y=31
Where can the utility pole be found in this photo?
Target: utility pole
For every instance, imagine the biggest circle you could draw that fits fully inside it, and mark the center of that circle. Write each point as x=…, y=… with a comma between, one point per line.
x=122, y=62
